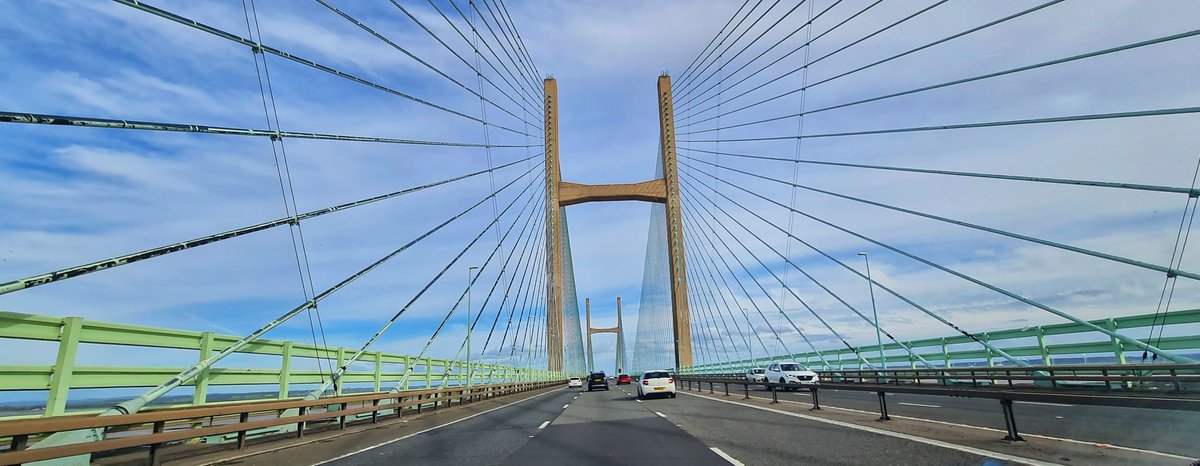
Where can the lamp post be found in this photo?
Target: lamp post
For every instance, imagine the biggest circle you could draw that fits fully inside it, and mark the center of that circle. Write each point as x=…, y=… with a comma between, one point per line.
x=874, y=312
x=753, y=362
x=470, y=282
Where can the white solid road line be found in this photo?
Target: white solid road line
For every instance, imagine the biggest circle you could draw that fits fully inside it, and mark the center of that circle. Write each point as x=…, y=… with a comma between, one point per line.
x=456, y=421
x=919, y=404
x=914, y=438
x=1043, y=403
x=728, y=458
x=544, y=424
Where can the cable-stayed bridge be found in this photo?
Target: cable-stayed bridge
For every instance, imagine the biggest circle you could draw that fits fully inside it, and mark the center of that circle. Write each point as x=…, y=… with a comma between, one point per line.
x=961, y=218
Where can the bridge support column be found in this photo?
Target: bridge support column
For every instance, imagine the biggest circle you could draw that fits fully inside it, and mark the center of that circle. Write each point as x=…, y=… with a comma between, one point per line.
x=587, y=304
x=554, y=239
x=620, y=340
x=679, y=304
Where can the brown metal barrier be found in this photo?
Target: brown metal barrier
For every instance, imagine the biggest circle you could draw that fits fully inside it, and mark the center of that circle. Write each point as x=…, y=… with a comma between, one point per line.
x=340, y=408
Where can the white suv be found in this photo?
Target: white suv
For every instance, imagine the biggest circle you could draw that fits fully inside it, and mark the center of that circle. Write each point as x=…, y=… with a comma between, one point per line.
x=791, y=373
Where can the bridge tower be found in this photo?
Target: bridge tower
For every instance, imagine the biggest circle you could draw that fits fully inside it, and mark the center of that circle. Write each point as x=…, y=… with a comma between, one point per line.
x=619, y=330
x=560, y=194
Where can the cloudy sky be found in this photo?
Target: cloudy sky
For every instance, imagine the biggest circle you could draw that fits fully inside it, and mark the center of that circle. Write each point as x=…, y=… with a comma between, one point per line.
x=75, y=195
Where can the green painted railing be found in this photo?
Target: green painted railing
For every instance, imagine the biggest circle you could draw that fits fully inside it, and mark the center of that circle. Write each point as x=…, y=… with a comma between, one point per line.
x=70, y=332
x=1034, y=346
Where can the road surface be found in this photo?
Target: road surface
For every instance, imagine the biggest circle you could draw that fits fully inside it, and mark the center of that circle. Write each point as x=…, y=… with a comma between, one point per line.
x=612, y=427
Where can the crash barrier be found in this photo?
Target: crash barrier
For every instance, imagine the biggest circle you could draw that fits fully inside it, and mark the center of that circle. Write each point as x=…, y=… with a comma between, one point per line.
x=1159, y=386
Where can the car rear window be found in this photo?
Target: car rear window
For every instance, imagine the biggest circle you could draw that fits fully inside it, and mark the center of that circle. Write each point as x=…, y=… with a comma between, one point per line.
x=656, y=375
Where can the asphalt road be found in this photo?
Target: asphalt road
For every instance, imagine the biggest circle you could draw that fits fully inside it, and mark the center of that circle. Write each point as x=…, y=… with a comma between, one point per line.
x=612, y=427
x=1150, y=429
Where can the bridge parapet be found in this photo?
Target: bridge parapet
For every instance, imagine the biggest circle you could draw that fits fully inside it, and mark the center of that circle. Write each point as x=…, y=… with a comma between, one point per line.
x=59, y=379
x=1076, y=343
x=148, y=428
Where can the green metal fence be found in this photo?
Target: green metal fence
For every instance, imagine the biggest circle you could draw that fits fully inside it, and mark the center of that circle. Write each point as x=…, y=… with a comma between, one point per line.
x=1024, y=343
x=69, y=332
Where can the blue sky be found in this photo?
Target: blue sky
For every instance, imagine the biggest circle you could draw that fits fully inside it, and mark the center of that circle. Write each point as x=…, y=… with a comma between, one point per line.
x=72, y=195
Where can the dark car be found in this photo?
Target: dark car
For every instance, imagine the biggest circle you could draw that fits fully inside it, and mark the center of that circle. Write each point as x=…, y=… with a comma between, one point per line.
x=597, y=379
x=624, y=379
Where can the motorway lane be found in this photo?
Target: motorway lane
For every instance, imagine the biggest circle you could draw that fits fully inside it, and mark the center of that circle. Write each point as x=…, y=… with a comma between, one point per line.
x=1150, y=429
x=611, y=427
x=567, y=426
x=487, y=439
x=766, y=438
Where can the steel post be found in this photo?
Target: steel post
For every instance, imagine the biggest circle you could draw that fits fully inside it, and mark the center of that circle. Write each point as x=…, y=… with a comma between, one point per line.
x=64, y=365
x=1010, y=422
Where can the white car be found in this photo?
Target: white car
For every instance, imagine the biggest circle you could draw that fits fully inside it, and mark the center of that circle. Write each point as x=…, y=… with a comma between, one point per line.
x=655, y=383
x=791, y=373
x=575, y=382
x=756, y=375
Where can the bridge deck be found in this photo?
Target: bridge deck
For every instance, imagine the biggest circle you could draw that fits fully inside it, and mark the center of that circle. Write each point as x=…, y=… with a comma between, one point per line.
x=611, y=427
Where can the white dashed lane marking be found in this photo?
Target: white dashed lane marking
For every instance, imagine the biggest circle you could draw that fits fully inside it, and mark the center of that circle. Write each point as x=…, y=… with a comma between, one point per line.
x=726, y=456
x=919, y=404
x=543, y=426
x=1043, y=404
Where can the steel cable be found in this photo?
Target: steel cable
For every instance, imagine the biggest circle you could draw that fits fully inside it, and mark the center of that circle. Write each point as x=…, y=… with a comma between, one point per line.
x=1058, y=61
x=989, y=286
x=136, y=4
x=1027, y=238
x=683, y=104
x=75, y=271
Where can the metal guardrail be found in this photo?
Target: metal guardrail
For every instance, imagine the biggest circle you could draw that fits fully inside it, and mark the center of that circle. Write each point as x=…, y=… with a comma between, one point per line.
x=149, y=428
x=1161, y=386
x=72, y=332
x=1026, y=342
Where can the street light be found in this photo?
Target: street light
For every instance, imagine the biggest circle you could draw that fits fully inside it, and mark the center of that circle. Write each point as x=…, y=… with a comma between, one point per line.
x=470, y=373
x=753, y=362
x=874, y=312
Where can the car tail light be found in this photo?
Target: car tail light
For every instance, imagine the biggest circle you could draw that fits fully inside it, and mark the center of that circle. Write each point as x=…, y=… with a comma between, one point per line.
x=645, y=382
x=670, y=380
